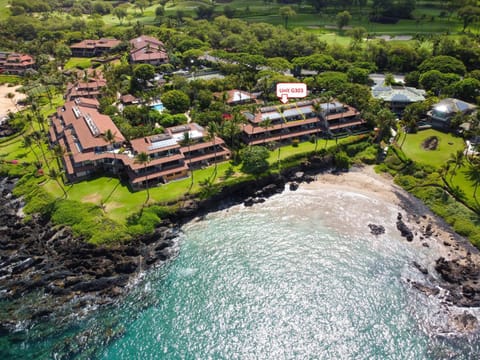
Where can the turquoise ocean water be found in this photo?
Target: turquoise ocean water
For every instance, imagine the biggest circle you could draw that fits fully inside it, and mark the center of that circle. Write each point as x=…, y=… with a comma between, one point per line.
x=298, y=277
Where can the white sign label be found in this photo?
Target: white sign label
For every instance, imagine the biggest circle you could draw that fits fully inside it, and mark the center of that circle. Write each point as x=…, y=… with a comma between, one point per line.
x=291, y=90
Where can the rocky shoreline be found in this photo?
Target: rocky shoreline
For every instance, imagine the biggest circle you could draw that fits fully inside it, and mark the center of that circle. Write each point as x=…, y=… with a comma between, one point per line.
x=71, y=275
x=66, y=273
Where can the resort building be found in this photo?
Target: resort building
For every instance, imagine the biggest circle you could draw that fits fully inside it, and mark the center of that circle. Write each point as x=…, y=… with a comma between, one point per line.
x=89, y=88
x=16, y=64
x=171, y=158
x=91, y=48
x=299, y=121
x=80, y=130
x=398, y=97
x=444, y=111
x=129, y=99
x=147, y=50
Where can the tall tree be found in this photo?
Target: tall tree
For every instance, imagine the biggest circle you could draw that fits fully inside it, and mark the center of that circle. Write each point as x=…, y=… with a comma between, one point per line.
x=317, y=107
x=457, y=159
x=282, y=122
x=286, y=12
x=213, y=130
x=109, y=137
x=188, y=141
x=55, y=175
x=120, y=12
x=144, y=159
x=343, y=19
x=473, y=175
x=38, y=138
x=28, y=142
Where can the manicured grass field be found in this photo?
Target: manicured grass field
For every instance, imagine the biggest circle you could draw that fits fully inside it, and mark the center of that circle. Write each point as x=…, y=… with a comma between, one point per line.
x=447, y=144
x=4, y=10
x=78, y=63
x=10, y=79
x=429, y=20
x=120, y=202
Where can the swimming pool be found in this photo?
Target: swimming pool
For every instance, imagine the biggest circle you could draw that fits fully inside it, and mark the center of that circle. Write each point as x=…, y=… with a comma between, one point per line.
x=159, y=107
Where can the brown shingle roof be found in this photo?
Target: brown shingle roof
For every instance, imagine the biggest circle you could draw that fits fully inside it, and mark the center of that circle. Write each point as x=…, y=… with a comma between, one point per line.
x=91, y=44
x=89, y=125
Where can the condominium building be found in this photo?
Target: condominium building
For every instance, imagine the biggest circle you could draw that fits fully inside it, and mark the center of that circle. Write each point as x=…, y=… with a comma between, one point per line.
x=147, y=50
x=80, y=130
x=16, y=64
x=298, y=120
x=91, y=48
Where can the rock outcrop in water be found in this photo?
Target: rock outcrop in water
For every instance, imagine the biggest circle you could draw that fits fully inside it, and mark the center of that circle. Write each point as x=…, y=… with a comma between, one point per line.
x=462, y=279
x=403, y=228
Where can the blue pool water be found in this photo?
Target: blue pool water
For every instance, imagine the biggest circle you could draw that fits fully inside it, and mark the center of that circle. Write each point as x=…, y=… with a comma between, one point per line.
x=158, y=107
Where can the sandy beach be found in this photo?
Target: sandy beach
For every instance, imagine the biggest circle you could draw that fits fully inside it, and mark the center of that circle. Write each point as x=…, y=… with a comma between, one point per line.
x=364, y=180
x=10, y=105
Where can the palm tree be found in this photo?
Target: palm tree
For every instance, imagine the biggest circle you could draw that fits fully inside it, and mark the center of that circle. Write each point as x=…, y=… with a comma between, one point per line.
x=443, y=171
x=213, y=130
x=41, y=121
x=37, y=137
x=144, y=159
x=59, y=152
x=457, y=159
x=282, y=121
x=266, y=124
x=109, y=137
x=473, y=175
x=317, y=107
x=188, y=141
x=28, y=142
x=55, y=175
x=286, y=12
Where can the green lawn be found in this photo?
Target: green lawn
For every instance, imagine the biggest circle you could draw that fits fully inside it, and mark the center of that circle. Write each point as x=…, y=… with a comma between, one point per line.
x=78, y=63
x=120, y=202
x=447, y=144
x=10, y=79
x=260, y=11
x=4, y=10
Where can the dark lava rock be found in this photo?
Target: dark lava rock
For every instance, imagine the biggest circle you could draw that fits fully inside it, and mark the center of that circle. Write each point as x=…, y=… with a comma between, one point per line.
x=422, y=269
x=460, y=277
x=126, y=267
x=100, y=284
x=249, y=202
x=458, y=270
x=427, y=290
x=404, y=230
x=293, y=186
x=466, y=322
x=376, y=229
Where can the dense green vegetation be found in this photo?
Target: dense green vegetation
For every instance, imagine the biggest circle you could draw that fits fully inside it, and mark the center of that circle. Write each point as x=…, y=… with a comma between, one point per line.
x=442, y=186
x=253, y=45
